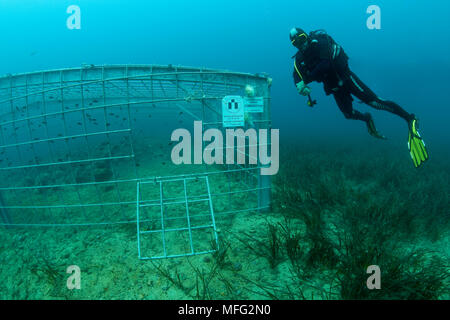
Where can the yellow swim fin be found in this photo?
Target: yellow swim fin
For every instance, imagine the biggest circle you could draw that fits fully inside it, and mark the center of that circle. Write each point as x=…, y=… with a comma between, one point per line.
x=416, y=145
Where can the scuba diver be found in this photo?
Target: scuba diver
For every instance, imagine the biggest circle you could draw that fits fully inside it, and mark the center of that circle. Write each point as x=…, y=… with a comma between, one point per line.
x=321, y=59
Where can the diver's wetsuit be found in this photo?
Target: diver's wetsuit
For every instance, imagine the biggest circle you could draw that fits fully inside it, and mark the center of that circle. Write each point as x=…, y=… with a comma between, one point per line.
x=325, y=61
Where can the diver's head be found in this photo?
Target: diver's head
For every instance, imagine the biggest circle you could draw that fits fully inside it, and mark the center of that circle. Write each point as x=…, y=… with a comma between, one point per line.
x=299, y=38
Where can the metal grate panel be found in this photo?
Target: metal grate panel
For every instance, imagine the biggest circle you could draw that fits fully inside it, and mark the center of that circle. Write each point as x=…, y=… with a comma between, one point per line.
x=165, y=232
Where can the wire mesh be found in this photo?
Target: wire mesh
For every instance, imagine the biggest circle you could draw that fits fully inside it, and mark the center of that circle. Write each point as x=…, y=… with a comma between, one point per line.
x=182, y=223
x=74, y=143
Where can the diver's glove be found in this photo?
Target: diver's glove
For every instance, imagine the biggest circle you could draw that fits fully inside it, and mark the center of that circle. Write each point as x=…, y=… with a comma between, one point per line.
x=416, y=146
x=303, y=89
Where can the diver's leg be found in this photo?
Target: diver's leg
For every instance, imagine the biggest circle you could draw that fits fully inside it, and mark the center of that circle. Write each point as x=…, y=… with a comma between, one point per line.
x=363, y=92
x=344, y=101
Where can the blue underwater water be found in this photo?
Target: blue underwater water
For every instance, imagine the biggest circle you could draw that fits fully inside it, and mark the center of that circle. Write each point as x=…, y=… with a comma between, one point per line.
x=406, y=61
x=329, y=166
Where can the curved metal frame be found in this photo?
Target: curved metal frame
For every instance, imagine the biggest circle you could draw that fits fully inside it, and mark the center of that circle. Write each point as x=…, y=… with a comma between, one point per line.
x=47, y=134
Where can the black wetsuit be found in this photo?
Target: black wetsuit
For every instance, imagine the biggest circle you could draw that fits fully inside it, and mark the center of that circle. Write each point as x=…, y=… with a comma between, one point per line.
x=325, y=61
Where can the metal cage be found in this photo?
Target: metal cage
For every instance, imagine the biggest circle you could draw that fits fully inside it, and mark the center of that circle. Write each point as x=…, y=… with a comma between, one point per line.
x=91, y=146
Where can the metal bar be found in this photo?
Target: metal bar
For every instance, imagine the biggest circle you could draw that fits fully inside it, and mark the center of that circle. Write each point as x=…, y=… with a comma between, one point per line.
x=91, y=82
x=129, y=126
x=111, y=166
x=129, y=202
x=102, y=204
x=64, y=138
x=199, y=196
x=264, y=181
x=69, y=185
x=191, y=70
x=187, y=217
x=162, y=217
x=174, y=202
x=52, y=157
x=21, y=159
x=178, y=255
x=118, y=222
x=212, y=213
x=67, y=144
x=146, y=180
x=58, y=225
x=138, y=227
x=88, y=147
x=66, y=162
x=111, y=105
x=178, y=229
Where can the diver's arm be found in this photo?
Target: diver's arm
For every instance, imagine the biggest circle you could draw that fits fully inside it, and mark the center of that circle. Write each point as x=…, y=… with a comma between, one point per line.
x=297, y=78
x=300, y=72
x=299, y=81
